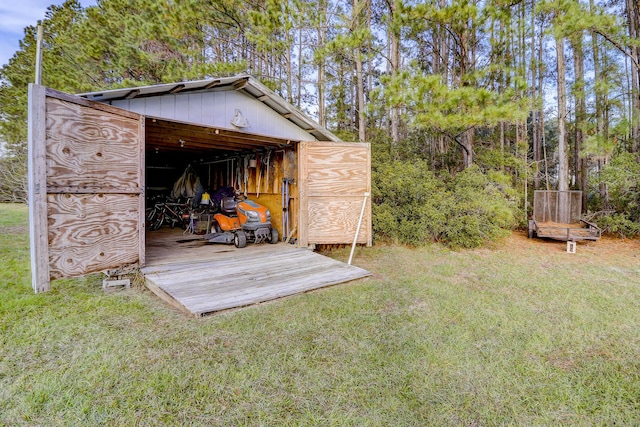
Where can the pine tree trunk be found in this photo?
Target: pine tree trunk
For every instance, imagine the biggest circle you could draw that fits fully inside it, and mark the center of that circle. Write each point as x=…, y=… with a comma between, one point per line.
x=299, y=76
x=541, y=134
x=321, y=33
x=467, y=150
x=289, y=68
x=633, y=17
x=443, y=48
x=563, y=159
x=466, y=58
x=394, y=66
x=362, y=136
x=359, y=110
x=536, y=146
x=600, y=103
x=579, y=162
x=502, y=145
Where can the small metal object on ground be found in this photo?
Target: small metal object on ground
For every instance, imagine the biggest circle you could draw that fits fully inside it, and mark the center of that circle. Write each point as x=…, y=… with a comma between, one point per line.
x=571, y=247
x=108, y=284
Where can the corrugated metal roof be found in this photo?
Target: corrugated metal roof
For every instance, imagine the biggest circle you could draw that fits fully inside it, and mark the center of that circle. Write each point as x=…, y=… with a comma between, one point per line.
x=243, y=83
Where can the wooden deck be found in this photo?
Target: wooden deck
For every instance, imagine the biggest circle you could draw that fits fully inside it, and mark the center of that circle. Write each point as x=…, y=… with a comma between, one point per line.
x=201, y=278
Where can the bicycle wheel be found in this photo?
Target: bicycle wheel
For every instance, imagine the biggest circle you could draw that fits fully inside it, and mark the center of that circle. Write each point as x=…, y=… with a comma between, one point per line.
x=158, y=222
x=150, y=216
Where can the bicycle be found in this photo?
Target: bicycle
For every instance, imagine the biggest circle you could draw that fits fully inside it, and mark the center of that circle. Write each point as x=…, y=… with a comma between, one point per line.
x=171, y=213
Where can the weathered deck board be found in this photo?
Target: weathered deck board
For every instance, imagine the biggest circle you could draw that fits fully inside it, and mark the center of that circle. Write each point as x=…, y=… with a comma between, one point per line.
x=202, y=278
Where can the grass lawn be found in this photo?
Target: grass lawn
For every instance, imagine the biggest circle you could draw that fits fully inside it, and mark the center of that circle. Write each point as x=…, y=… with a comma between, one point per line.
x=519, y=334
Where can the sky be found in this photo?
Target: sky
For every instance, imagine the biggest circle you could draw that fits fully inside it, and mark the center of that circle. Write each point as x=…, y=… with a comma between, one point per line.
x=17, y=14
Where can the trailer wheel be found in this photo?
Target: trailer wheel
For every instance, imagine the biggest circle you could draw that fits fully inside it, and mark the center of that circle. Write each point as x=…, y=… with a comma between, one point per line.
x=532, y=231
x=274, y=236
x=240, y=239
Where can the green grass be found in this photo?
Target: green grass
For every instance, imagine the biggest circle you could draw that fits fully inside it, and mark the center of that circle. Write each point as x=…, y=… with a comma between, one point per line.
x=521, y=334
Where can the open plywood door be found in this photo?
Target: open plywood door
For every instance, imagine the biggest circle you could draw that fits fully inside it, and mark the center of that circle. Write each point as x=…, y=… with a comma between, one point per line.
x=86, y=186
x=333, y=180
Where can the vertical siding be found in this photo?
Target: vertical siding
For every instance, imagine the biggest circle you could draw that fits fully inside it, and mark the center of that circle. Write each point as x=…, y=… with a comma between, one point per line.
x=181, y=111
x=137, y=106
x=208, y=110
x=152, y=108
x=217, y=109
x=167, y=106
x=195, y=107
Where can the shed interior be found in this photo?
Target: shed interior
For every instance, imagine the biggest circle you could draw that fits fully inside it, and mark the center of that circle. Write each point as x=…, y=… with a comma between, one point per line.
x=253, y=165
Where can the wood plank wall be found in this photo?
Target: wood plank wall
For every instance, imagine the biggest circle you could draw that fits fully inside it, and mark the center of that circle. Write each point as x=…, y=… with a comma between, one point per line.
x=334, y=177
x=283, y=163
x=95, y=186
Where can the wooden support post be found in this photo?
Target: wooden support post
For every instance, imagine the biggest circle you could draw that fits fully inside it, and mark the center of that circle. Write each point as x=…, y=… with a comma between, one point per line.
x=38, y=76
x=355, y=238
x=38, y=227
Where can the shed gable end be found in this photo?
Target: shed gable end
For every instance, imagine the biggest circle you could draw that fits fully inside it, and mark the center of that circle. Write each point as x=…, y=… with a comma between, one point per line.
x=218, y=109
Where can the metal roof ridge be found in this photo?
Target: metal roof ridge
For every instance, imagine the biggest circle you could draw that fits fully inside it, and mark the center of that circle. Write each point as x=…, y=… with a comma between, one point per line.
x=314, y=126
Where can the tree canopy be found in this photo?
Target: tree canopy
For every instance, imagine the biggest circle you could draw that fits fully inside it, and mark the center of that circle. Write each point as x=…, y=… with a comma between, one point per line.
x=515, y=86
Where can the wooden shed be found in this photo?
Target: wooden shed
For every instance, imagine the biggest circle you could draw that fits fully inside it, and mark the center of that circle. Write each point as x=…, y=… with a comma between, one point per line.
x=96, y=158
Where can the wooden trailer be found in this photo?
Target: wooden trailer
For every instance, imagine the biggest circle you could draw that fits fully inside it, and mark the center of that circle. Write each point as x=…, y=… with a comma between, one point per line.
x=557, y=215
x=95, y=159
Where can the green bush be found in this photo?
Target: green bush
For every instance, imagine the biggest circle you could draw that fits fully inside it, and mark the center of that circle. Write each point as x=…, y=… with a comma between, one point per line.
x=484, y=210
x=622, y=178
x=412, y=205
x=619, y=224
x=407, y=198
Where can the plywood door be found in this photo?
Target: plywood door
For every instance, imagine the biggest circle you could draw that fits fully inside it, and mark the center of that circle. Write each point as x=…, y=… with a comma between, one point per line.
x=86, y=186
x=333, y=180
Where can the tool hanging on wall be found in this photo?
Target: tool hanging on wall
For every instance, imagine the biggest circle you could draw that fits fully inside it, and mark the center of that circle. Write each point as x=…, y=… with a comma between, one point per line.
x=246, y=175
x=289, y=164
x=267, y=170
x=237, y=186
x=285, y=208
x=258, y=174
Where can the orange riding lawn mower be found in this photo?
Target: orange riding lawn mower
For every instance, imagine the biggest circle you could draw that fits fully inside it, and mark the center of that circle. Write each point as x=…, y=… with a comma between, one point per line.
x=241, y=221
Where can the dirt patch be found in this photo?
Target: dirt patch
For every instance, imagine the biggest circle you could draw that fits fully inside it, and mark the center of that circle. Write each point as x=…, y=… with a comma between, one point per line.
x=608, y=248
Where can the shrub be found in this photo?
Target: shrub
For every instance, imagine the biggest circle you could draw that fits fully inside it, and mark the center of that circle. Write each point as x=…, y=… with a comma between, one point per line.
x=619, y=224
x=484, y=210
x=407, y=198
x=622, y=178
x=414, y=206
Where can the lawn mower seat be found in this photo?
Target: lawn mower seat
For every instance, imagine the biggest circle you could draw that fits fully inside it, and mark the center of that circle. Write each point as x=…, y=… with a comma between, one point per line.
x=228, y=205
